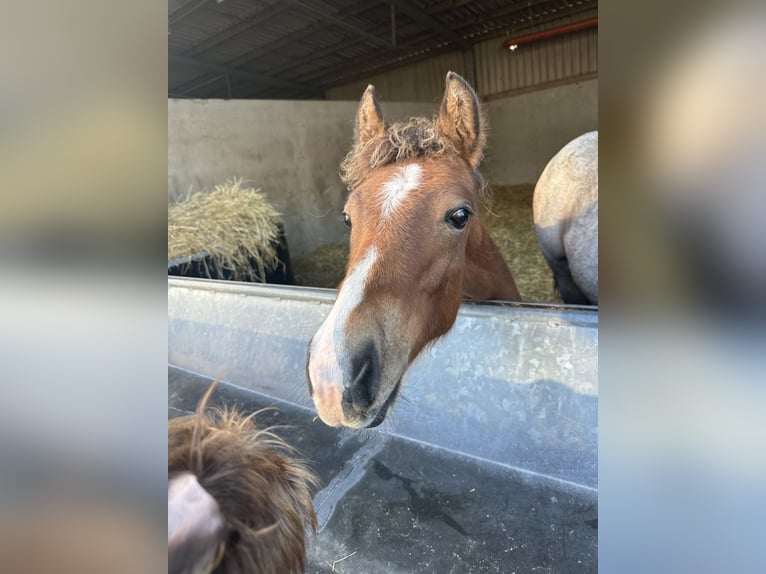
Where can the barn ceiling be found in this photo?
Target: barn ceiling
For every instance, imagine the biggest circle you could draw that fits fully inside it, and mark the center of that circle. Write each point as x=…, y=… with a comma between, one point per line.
x=297, y=49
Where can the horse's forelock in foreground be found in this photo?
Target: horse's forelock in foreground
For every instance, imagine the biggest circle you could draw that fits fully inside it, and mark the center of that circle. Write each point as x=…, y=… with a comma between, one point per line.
x=417, y=138
x=262, y=492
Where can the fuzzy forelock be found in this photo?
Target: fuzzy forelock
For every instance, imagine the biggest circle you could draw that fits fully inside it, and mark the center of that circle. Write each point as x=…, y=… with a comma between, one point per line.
x=417, y=138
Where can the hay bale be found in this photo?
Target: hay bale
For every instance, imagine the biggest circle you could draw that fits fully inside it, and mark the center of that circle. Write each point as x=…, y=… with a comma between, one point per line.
x=325, y=267
x=508, y=219
x=234, y=224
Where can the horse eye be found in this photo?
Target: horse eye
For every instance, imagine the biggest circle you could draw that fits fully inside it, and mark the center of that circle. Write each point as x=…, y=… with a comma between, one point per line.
x=347, y=219
x=458, y=218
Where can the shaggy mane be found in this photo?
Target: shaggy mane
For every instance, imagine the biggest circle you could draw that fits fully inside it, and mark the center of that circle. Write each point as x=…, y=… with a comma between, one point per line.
x=419, y=137
x=263, y=492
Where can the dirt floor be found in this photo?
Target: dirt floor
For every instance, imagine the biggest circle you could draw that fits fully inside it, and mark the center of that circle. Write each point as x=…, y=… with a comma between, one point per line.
x=508, y=218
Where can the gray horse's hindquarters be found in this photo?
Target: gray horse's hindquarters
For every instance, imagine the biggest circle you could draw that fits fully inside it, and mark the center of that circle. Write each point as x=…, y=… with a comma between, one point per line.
x=565, y=209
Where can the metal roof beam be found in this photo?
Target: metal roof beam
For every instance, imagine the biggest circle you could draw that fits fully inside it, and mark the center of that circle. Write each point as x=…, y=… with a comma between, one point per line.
x=186, y=10
x=446, y=5
x=320, y=74
x=261, y=51
x=198, y=81
x=334, y=49
x=325, y=11
x=198, y=85
x=240, y=73
x=531, y=10
x=258, y=17
x=425, y=19
x=380, y=68
x=285, y=41
x=297, y=36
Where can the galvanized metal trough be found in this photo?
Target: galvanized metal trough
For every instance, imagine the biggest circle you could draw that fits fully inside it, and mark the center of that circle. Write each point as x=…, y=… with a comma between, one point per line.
x=487, y=462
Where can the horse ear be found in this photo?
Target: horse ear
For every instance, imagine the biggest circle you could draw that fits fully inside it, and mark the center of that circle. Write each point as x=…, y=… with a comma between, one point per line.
x=196, y=526
x=461, y=120
x=369, y=118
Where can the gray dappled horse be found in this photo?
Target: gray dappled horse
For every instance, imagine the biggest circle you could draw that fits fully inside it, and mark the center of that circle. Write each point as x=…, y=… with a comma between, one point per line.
x=565, y=208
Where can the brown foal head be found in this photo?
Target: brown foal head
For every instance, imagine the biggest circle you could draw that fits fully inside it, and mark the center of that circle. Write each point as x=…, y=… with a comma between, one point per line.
x=412, y=213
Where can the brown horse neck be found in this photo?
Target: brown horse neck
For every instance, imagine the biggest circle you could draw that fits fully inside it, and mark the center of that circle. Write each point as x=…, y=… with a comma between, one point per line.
x=486, y=274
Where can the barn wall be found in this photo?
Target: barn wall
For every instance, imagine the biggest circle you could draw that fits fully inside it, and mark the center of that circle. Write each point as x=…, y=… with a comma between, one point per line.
x=498, y=71
x=568, y=58
x=526, y=130
x=419, y=82
x=290, y=149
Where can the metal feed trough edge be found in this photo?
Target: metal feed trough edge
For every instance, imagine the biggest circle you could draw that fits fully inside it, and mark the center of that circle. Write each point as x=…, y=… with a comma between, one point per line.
x=511, y=384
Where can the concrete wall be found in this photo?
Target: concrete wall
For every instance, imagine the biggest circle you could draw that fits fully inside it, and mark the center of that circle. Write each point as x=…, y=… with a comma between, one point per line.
x=290, y=149
x=527, y=130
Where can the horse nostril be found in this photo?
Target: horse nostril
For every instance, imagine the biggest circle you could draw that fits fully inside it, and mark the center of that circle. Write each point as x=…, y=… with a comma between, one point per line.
x=365, y=378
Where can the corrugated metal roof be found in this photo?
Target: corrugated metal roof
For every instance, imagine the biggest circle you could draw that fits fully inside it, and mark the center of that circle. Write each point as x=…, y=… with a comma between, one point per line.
x=303, y=48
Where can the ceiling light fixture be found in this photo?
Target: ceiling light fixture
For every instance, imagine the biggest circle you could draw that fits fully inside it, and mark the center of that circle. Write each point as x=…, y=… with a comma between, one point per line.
x=513, y=43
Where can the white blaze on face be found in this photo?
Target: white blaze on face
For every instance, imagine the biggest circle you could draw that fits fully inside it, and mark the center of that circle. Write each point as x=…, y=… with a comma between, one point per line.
x=394, y=191
x=324, y=367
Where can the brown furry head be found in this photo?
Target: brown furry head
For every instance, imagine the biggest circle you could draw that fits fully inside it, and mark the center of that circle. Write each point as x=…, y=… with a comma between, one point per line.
x=262, y=492
x=459, y=130
x=417, y=246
